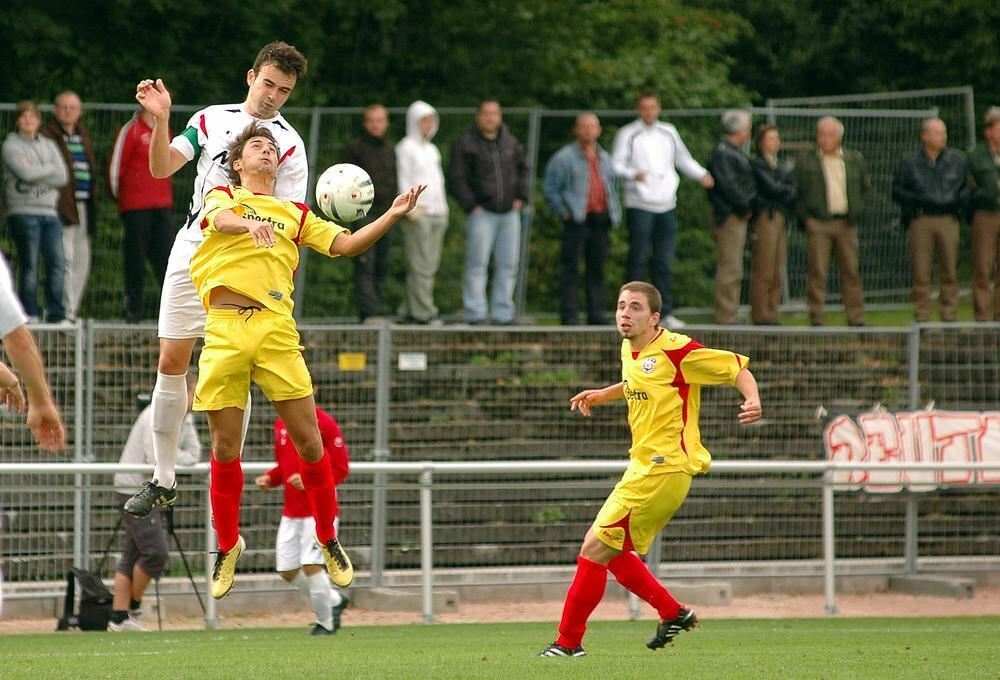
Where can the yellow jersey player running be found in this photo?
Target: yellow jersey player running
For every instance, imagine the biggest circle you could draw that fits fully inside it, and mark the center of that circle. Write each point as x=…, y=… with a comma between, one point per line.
x=243, y=273
x=662, y=375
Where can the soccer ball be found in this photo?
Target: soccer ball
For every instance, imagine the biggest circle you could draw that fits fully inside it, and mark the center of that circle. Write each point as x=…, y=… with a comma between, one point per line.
x=344, y=192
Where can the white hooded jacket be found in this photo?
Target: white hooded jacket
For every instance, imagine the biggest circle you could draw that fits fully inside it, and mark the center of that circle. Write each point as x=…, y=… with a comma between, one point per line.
x=418, y=160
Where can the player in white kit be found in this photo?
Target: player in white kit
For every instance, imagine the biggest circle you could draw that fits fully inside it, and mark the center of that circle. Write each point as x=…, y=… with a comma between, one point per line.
x=275, y=71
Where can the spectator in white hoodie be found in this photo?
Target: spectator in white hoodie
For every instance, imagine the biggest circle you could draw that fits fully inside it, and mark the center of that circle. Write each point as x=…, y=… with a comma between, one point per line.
x=647, y=155
x=418, y=161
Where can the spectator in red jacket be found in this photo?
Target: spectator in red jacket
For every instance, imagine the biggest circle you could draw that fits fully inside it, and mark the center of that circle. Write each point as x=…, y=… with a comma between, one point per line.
x=146, y=208
x=298, y=558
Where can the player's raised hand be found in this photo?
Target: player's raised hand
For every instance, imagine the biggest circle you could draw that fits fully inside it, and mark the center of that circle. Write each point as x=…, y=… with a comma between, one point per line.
x=47, y=427
x=154, y=97
x=11, y=396
x=750, y=411
x=404, y=203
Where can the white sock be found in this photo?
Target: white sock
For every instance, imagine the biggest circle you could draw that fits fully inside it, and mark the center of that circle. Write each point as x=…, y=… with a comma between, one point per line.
x=169, y=409
x=300, y=583
x=246, y=426
x=321, y=595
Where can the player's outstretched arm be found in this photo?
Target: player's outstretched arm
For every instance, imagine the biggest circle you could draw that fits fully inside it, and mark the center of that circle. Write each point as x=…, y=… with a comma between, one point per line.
x=11, y=396
x=164, y=160
x=583, y=401
x=750, y=409
x=43, y=419
x=363, y=238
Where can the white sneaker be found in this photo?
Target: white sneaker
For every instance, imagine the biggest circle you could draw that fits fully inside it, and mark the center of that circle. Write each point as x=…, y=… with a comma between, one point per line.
x=672, y=321
x=129, y=625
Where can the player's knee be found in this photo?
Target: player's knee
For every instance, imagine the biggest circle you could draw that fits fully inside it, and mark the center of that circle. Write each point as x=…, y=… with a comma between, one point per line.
x=288, y=576
x=310, y=448
x=154, y=563
x=225, y=449
x=175, y=356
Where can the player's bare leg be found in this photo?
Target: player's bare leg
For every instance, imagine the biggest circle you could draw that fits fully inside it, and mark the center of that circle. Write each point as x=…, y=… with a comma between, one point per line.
x=226, y=491
x=299, y=416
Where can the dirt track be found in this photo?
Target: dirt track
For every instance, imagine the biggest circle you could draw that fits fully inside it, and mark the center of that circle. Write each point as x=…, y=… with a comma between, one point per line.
x=985, y=603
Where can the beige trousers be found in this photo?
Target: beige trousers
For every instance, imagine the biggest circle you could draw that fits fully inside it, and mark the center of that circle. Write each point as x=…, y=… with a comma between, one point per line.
x=768, y=246
x=840, y=238
x=986, y=264
x=730, y=240
x=929, y=234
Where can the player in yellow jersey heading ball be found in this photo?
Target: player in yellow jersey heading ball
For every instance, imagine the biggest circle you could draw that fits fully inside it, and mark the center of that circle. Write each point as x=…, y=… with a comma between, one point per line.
x=662, y=375
x=243, y=273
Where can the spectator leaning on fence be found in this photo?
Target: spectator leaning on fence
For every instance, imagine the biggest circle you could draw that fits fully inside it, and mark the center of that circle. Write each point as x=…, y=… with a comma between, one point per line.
x=932, y=191
x=418, y=161
x=144, y=539
x=145, y=204
x=834, y=189
x=78, y=198
x=33, y=173
x=768, y=240
x=732, y=199
x=374, y=152
x=647, y=155
x=581, y=188
x=488, y=176
x=984, y=171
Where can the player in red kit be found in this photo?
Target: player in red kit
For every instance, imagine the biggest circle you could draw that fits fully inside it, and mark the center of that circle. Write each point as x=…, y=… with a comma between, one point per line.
x=298, y=558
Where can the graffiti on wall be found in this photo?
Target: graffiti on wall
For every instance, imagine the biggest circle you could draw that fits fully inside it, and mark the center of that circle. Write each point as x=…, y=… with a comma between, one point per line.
x=919, y=436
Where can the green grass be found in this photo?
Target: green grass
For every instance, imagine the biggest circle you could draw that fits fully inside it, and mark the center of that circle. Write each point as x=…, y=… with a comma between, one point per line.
x=870, y=649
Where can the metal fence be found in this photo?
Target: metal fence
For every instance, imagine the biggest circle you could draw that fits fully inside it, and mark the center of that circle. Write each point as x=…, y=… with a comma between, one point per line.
x=884, y=136
x=403, y=395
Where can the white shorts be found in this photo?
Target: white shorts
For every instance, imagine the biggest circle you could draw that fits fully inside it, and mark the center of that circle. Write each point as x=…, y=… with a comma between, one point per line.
x=296, y=545
x=182, y=316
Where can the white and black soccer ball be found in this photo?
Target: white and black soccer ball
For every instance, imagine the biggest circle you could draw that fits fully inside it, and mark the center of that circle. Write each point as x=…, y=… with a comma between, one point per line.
x=344, y=192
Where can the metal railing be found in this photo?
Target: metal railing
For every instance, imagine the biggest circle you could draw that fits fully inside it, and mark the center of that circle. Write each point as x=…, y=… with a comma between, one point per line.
x=425, y=475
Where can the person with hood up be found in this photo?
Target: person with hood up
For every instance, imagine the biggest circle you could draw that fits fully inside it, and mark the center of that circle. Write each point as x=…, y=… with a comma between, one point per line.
x=418, y=161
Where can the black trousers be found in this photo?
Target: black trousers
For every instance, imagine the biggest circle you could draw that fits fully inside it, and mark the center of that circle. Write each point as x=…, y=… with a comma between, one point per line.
x=149, y=235
x=592, y=239
x=370, y=270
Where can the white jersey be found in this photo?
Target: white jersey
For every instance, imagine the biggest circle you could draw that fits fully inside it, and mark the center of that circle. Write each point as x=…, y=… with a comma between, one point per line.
x=206, y=137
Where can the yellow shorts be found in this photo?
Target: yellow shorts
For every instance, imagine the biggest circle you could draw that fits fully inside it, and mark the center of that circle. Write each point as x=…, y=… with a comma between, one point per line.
x=263, y=347
x=638, y=508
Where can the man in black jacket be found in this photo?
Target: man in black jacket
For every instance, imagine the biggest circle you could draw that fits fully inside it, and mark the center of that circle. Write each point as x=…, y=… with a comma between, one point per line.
x=376, y=154
x=984, y=172
x=932, y=190
x=732, y=199
x=488, y=176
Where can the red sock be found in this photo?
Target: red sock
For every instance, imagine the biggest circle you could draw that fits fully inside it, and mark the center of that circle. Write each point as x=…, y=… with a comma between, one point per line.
x=632, y=573
x=584, y=594
x=226, y=490
x=317, y=478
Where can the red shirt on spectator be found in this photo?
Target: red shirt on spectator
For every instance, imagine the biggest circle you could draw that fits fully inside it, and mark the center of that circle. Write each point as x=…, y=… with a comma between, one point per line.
x=129, y=180
x=334, y=451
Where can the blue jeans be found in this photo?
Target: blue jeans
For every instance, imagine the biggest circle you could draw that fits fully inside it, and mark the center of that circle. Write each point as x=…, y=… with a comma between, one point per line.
x=660, y=229
x=35, y=235
x=498, y=234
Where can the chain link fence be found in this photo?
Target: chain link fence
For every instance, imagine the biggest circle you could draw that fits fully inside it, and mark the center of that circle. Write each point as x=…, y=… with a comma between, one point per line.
x=408, y=394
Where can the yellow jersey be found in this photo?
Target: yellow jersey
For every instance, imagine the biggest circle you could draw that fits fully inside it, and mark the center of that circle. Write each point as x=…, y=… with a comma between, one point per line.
x=263, y=274
x=662, y=384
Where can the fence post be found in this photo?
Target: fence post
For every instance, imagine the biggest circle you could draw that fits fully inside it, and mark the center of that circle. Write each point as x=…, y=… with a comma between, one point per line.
x=81, y=492
x=910, y=529
x=427, y=544
x=211, y=545
x=970, y=113
x=312, y=150
x=829, y=545
x=380, y=453
x=528, y=211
